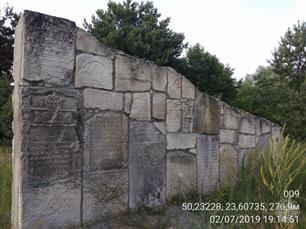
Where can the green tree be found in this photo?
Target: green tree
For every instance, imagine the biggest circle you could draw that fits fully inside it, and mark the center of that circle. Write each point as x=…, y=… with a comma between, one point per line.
x=8, y=22
x=135, y=28
x=289, y=58
x=209, y=74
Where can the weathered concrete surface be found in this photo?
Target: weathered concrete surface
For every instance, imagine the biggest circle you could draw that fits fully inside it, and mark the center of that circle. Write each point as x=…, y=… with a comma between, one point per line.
x=93, y=71
x=141, y=108
x=132, y=74
x=207, y=163
x=103, y=100
x=48, y=48
x=147, y=165
x=207, y=114
x=181, y=173
x=173, y=117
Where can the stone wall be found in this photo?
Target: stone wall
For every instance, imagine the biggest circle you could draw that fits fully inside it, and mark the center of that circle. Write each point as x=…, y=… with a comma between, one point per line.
x=98, y=132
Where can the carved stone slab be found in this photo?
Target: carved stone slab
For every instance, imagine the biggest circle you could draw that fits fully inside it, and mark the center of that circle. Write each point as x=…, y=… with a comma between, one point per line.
x=159, y=106
x=188, y=89
x=103, y=100
x=228, y=165
x=181, y=173
x=51, y=157
x=49, y=44
x=147, y=165
x=173, y=118
x=159, y=78
x=207, y=114
x=94, y=71
x=207, y=163
x=231, y=119
x=174, y=84
x=141, y=106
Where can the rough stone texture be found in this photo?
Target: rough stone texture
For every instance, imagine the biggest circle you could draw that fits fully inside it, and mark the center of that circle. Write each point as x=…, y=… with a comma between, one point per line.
x=159, y=79
x=51, y=164
x=262, y=126
x=48, y=48
x=89, y=44
x=228, y=165
x=207, y=163
x=262, y=141
x=247, y=141
x=161, y=126
x=174, y=84
x=247, y=126
x=187, y=115
x=231, y=119
x=141, y=108
x=181, y=173
x=276, y=132
x=227, y=136
x=173, y=118
x=188, y=89
x=93, y=71
x=181, y=140
x=147, y=165
x=159, y=106
x=132, y=74
x=127, y=103
x=207, y=114
x=103, y=100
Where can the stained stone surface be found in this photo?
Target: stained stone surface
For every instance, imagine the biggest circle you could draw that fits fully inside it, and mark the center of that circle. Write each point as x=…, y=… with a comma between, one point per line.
x=188, y=89
x=103, y=100
x=247, y=141
x=159, y=106
x=52, y=157
x=174, y=84
x=187, y=115
x=262, y=126
x=127, y=102
x=161, y=126
x=173, y=118
x=94, y=71
x=181, y=140
x=227, y=136
x=228, y=165
x=48, y=47
x=262, y=141
x=231, y=119
x=132, y=74
x=181, y=172
x=159, y=78
x=207, y=114
x=247, y=126
x=106, y=141
x=147, y=165
x=207, y=163
x=141, y=108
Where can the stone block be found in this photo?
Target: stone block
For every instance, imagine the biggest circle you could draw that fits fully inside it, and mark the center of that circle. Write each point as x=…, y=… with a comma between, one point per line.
x=127, y=103
x=106, y=141
x=181, y=140
x=105, y=194
x=187, y=115
x=188, y=89
x=147, y=165
x=159, y=78
x=231, y=119
x=159, y=106
x=173, y=116
x=246, y=141
x=103, y=100
x=262, y=141
x=207, y=114
x=161, y=126
x=262, y=126
x=174, y=84
x=247, y=126
x=132, y=74
x=207, y=163
x=46, y=48
x=227, y=136
x=228, y=165
x=93, y=71
x=85, y=42
x=141, y=108
x=276, y=132
x=181, y=173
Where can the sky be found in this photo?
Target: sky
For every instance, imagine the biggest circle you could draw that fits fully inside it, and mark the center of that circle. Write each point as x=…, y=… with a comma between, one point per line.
x=241, y=33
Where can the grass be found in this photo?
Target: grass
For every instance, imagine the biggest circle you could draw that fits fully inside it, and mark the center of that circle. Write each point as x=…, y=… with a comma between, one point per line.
x=5, y=187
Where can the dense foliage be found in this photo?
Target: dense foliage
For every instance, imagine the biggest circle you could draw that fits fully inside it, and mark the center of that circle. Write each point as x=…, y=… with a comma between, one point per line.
x=278, y=92
x=8, y=21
